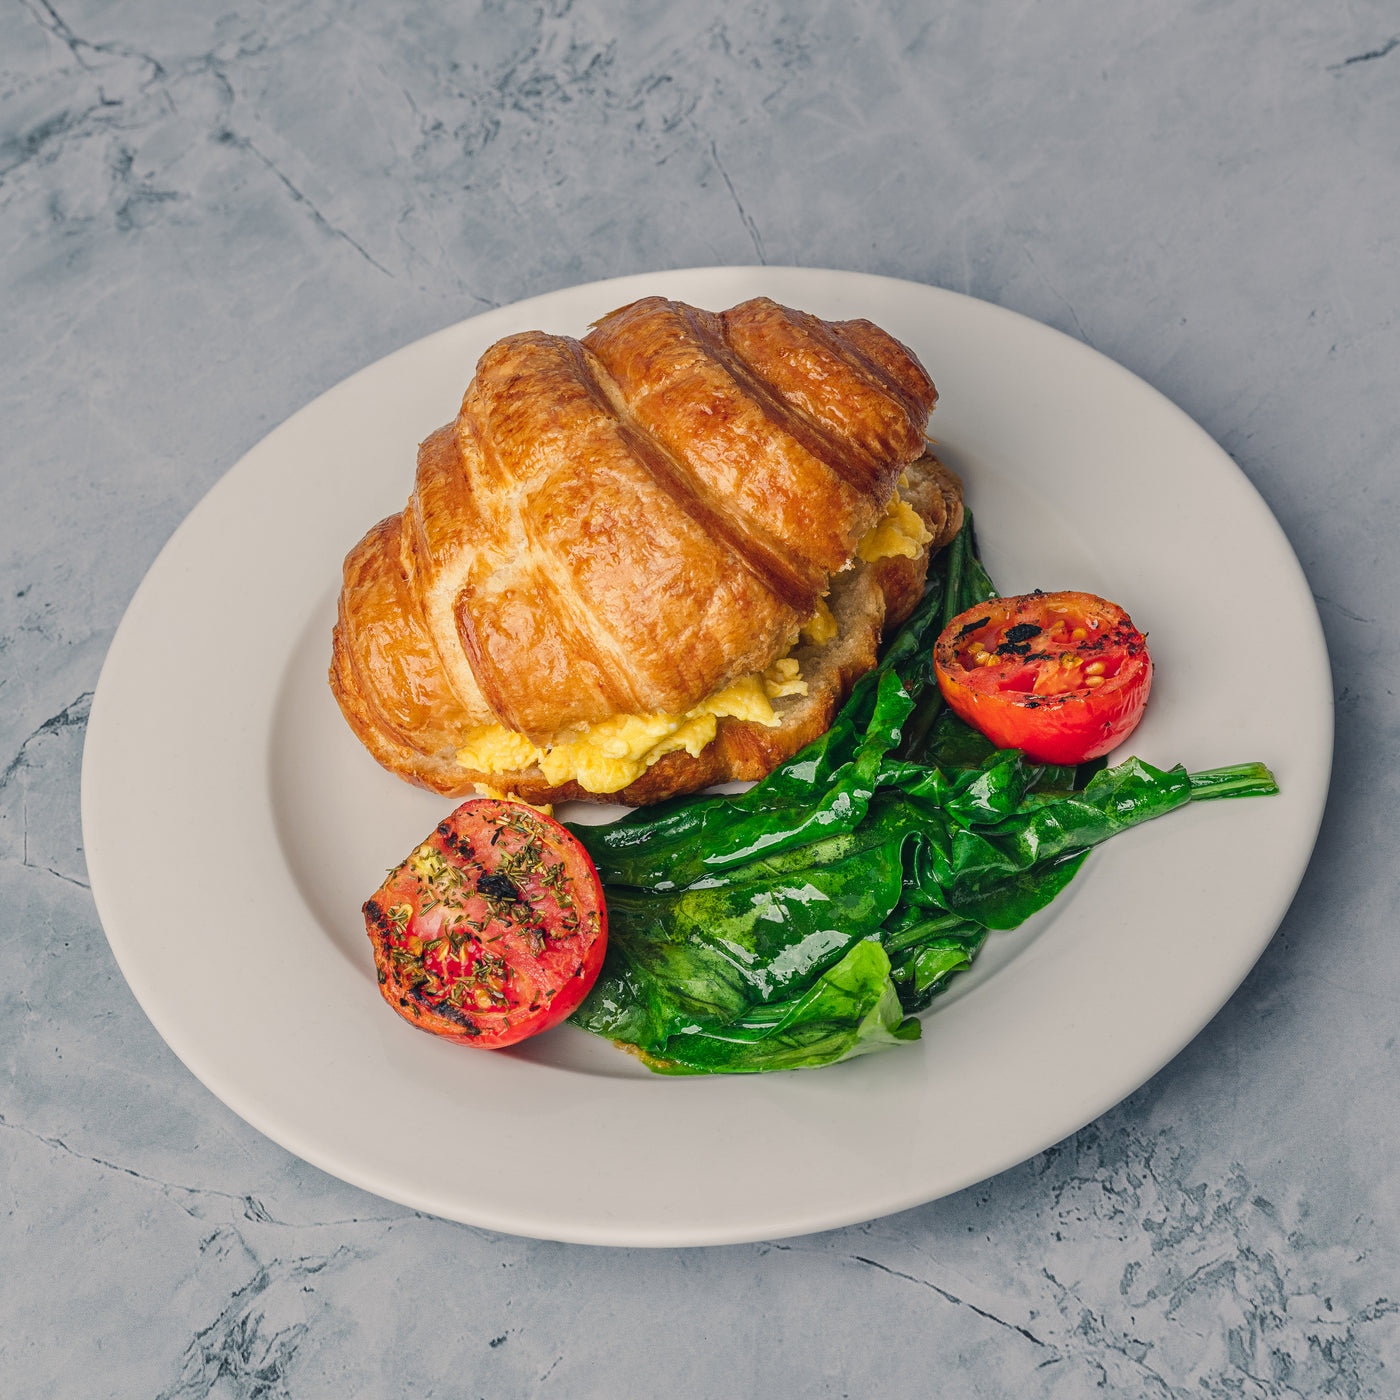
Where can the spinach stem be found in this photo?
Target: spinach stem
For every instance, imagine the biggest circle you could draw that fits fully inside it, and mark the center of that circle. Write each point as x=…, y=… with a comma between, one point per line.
x=1237, y=780
x=952, y=589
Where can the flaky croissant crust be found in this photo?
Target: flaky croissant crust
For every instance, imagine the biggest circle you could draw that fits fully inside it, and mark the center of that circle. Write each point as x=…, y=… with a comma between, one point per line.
x=621, y=525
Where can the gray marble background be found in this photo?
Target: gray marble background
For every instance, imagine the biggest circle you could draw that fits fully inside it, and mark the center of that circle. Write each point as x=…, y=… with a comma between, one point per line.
x=210, y=214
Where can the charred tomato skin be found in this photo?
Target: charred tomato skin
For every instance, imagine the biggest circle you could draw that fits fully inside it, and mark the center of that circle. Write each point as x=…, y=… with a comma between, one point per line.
x=493, y=929
x=1064, y=677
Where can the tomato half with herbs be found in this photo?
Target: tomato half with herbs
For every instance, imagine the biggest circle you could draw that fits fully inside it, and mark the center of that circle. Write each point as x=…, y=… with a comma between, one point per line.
x=1062, y=676
x=493, y=929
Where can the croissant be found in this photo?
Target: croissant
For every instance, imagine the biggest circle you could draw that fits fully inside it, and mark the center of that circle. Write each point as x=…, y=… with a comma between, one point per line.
x=645, y=562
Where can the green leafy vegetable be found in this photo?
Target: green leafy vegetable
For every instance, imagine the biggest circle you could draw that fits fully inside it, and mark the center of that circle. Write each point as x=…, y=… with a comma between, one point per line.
x=802, y=922
x=850, y=1009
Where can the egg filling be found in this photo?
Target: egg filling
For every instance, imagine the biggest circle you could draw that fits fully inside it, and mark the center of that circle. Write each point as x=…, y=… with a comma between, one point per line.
x=607, y=756
x=900, y=531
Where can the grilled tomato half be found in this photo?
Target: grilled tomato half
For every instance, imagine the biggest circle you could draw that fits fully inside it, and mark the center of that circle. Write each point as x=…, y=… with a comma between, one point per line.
x=1062, y=676
x=493, y=929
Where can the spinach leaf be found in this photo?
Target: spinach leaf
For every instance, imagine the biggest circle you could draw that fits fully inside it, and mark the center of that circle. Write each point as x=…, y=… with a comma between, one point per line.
x=850, y=1009
x=704, y=956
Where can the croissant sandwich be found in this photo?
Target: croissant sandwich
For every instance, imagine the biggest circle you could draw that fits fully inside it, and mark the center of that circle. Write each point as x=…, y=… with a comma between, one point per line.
x=646, y=562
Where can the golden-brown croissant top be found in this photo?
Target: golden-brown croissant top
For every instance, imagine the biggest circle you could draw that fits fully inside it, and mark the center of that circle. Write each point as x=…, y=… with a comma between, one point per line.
x=624, y=524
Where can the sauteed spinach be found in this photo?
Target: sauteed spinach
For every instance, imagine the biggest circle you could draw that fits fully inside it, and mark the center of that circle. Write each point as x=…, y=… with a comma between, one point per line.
x=806, y=920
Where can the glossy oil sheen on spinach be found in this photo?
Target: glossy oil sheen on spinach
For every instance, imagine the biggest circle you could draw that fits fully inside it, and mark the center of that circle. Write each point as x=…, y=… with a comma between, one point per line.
x=806, y=920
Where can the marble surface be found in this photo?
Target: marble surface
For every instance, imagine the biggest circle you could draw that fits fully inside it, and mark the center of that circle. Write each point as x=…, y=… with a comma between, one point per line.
x=210, y=214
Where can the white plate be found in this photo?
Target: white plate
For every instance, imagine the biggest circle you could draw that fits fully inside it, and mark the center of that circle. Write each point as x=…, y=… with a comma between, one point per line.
x=233, y=826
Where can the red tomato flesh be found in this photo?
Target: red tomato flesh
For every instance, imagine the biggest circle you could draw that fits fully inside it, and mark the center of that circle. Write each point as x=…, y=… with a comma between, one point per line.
x=493, y=929
x=1064, y=677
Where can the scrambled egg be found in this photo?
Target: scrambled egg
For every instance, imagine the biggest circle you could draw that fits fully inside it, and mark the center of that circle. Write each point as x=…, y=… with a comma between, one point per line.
x=821, y=627
x=784, y=677
x=899, y=531
x=606, y=756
